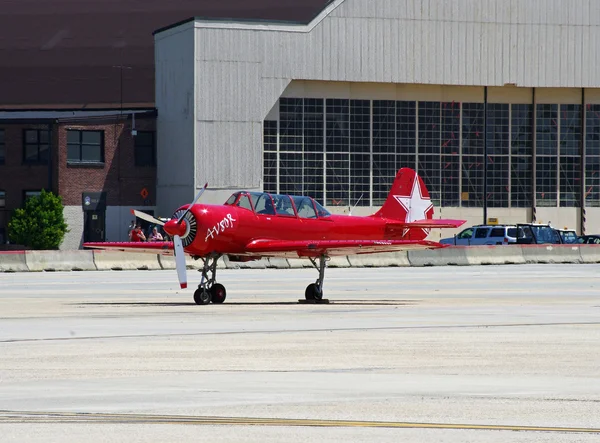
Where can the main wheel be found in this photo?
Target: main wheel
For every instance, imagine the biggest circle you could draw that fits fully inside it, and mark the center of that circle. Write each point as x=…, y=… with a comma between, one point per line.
x=202, y=296
x=312, y=292
x=218, y=293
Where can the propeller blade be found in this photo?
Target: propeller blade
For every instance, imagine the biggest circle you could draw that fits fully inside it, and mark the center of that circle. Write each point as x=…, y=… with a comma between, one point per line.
x=147, y=217
x=180, y=262
x=193, y=203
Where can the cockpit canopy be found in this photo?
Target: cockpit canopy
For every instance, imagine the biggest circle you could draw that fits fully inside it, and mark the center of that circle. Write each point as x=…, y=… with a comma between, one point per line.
x=278, y=204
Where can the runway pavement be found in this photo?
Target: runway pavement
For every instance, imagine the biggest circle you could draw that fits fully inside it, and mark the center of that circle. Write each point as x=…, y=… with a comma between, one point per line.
x=451, y=354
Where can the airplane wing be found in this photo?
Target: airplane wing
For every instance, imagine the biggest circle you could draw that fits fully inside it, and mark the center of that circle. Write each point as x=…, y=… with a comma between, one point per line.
x=159, y=247
x=305, y=248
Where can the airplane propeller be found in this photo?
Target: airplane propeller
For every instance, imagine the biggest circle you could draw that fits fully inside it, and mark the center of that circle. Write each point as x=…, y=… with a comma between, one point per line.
x=177, y=230
x=147, y=217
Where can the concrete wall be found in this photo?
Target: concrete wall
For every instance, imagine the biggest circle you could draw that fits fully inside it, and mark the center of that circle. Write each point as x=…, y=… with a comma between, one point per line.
x=74, y=219
x=175, y=100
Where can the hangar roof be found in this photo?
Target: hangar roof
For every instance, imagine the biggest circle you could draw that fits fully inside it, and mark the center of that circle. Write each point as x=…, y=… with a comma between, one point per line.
x=97, y=54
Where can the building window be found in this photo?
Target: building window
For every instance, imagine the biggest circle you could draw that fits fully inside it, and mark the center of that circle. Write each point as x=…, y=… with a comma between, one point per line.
x=2, y=199
x=570, y=155
x=85, y=146
x=450, y=154
x=2, y=147
x=29, y=194
x=498, y=149
x=592, y=156
x=270, y=156
x=144, y=146
x=546, y=178
x=428, y=157
x=472, y=150
x=312, y=138
x=36, y=143
x=521, y=152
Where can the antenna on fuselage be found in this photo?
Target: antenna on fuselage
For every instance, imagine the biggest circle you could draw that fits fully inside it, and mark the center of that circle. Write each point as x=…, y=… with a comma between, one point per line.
x=355, y=205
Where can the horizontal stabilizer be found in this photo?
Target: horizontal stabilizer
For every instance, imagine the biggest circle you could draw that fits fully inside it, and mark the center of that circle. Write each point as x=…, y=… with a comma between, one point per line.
x=426, y=224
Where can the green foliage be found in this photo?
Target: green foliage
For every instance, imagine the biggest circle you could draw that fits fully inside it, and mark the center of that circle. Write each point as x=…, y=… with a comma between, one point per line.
x=40, y=224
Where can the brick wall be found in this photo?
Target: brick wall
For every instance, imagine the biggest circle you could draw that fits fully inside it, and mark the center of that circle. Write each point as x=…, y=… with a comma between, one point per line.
x=118, y=177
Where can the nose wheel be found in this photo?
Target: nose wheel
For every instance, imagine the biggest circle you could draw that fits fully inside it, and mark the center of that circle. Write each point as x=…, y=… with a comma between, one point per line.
x=208, y=289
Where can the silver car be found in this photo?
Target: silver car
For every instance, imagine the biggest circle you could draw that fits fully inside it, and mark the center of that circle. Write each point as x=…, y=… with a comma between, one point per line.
x=484, y=235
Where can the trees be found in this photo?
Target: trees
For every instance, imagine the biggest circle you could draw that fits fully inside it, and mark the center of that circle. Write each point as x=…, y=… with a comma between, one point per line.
x=40, y=224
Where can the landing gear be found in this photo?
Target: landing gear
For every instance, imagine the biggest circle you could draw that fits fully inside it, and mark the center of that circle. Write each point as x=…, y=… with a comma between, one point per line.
x=208, y=289
x=314, y=291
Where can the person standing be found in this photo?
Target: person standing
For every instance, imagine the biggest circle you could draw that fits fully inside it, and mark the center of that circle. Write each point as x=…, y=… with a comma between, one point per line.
x=137, y=235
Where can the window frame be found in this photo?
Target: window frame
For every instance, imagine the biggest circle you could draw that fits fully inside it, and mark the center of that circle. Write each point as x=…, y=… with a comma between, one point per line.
x=81, y=144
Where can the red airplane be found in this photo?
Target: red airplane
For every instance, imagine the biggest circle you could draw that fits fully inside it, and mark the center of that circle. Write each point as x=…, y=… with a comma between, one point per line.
x=252, y=225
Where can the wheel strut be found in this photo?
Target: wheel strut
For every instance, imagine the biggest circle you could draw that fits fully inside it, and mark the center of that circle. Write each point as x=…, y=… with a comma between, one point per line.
x=314, y=291
x=208, y=289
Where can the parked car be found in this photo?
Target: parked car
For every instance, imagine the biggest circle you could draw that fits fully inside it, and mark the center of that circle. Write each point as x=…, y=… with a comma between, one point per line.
x=568, y=236
x=589, y=239
x=484, y=235
x=537, y=234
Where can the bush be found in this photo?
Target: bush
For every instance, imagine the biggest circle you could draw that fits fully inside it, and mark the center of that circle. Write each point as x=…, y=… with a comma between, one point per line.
x=40, y=224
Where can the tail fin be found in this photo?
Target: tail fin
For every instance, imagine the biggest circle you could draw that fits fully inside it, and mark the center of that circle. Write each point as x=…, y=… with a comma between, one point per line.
x=408, y=199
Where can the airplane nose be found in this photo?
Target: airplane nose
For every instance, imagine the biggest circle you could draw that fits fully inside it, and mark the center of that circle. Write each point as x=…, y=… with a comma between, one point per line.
x=173, y=228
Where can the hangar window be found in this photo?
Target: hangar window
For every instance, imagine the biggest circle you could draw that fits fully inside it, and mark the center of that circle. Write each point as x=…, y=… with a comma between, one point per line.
x=428, y=161
x=2, y=199
x=313, y=129
x=2, y=147
x=337, y=147
x=36, y=143
x=85, y=146
x=144, y=147
x=546, y=177
x=472, y=150
x=569, y=161
x=450, y=151
x=360, y=153
x=592, y=156
x=497, y=132
x=270, y=156
x=521, y=143
x=384, y=148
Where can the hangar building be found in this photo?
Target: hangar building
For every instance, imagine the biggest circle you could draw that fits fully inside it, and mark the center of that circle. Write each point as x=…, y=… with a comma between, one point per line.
x=496, y=103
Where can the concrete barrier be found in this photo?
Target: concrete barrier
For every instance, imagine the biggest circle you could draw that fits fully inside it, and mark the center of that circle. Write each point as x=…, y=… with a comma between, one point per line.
x=379, y=260
x=453, y=255
x=551, y=254
x=252, y=264
x=277, y=263
x=495, y=255
x=168, y=262
x=125, y=261
x=590, y=253
x=338, y=262
x=60, y=260
x=13, y=261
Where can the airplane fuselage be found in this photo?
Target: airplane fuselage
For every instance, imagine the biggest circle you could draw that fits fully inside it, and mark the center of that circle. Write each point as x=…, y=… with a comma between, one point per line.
x=227, y=229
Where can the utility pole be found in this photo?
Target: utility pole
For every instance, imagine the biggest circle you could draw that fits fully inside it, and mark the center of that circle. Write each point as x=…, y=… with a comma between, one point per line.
x=121, y=67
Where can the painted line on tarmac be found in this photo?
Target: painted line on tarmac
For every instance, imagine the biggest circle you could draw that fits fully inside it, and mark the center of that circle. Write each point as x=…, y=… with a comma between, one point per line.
x=294, y=331
x=26, y=417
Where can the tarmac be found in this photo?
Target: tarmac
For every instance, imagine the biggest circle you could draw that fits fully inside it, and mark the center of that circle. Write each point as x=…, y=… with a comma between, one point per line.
x=445, y=354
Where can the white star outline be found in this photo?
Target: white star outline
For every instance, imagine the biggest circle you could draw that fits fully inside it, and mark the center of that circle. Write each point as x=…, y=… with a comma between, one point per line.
x=415, y=204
